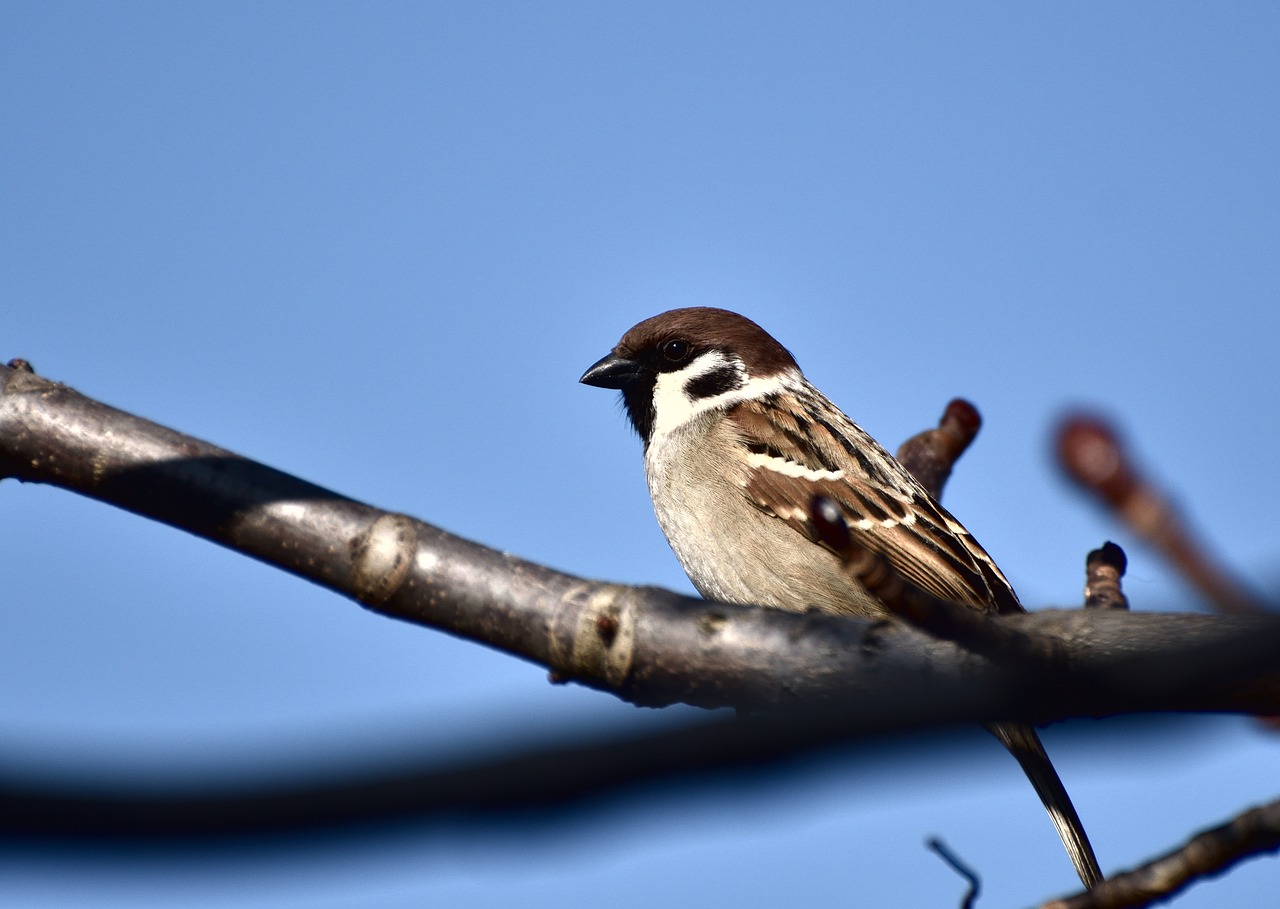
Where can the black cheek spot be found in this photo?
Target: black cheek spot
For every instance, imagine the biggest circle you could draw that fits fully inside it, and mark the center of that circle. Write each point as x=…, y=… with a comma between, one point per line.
x=717, y=382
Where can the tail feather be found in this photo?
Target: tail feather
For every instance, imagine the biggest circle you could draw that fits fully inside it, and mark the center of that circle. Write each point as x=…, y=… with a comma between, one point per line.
x=1024, y=745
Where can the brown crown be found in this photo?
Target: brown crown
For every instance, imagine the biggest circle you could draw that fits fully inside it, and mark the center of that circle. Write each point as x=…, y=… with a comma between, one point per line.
x=705, y=328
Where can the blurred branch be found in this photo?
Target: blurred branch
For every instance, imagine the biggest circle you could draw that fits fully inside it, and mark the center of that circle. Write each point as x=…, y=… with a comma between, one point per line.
x=1091, y=454
x=1207, y=854
x=530, y=781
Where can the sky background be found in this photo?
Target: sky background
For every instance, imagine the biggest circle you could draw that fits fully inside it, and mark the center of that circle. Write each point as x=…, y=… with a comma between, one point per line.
x=376, y=244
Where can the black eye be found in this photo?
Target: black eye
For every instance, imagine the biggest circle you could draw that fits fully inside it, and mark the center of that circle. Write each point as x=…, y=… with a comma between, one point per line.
x=675, y=350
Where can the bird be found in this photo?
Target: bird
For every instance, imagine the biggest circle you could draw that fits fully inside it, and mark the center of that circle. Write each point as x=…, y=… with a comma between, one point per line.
x=737, y=445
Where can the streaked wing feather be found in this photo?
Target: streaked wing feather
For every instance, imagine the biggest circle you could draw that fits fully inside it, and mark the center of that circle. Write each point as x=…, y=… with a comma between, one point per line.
x=922, y=553
x=918, y=537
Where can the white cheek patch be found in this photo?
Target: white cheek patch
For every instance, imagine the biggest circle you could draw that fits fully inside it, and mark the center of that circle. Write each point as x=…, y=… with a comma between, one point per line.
x=673, y=406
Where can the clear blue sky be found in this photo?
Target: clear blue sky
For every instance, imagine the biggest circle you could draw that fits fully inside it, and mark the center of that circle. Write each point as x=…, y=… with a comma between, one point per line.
x=376, y=244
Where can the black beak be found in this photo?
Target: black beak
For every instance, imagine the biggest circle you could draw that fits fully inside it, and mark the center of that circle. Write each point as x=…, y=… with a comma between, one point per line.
x=612, y=371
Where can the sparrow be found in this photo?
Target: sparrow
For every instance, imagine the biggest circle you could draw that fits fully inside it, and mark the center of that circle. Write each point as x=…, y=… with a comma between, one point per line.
x=737, y=443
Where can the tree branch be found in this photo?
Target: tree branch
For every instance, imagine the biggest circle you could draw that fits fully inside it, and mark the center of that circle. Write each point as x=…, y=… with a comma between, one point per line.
x=648, y=646
x=931, y=454
x=1207, y=854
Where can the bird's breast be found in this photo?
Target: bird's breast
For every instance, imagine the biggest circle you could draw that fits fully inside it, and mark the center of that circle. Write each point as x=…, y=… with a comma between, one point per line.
x=731, y=549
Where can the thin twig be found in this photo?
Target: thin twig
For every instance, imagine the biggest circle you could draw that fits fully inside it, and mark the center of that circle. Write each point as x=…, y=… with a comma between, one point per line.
x=970, y=897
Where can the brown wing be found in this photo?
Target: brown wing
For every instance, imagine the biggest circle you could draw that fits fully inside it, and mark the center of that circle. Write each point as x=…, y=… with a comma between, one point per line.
x=888, y=512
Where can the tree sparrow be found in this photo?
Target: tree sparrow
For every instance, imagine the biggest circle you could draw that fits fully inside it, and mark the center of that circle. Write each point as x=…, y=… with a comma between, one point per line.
x=736, y=445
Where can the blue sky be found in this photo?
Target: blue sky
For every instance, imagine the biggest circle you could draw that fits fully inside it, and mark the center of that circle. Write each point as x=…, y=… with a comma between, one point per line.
x=376, y=244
